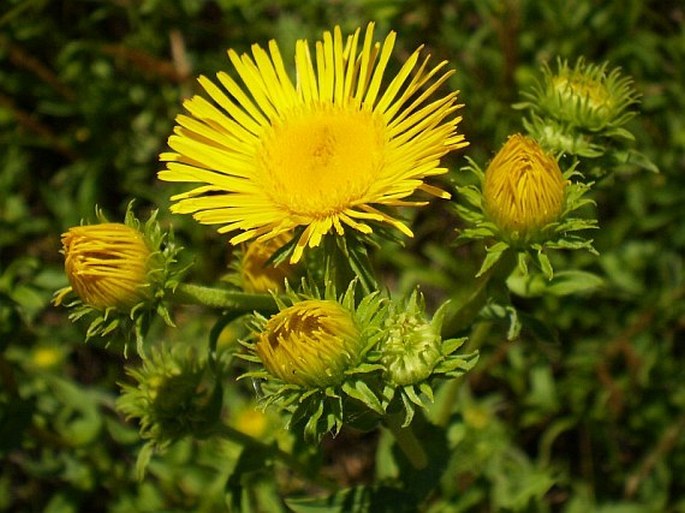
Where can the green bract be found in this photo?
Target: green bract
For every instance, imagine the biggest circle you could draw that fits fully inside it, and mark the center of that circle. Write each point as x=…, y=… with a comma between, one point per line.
x=174, y=394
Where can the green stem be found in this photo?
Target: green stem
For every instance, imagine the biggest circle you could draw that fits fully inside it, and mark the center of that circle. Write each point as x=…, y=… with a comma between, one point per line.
x=187, y=293
x=407, y=441
x=245, y=440
x=462, y=312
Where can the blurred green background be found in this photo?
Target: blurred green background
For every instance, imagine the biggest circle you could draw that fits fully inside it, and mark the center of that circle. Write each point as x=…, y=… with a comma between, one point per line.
x=584, y=411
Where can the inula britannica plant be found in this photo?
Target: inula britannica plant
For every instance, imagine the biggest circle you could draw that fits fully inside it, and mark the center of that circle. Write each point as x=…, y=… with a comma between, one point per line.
x=314, y=163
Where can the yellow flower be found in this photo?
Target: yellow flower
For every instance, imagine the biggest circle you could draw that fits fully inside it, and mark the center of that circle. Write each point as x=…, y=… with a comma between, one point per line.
x=46, y=357
x=258, y=276
x=310, y=343
x=317, y=155
x=106, y=265
x=251, y=421
x=524, y=188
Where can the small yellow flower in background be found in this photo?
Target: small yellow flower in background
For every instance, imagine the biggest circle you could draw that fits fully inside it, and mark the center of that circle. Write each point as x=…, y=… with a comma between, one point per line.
x=251, y=421
x=258, y=276
x=524, y=188
x=46, y=357
x=310, y=343
x=318, y=155
x=106, y=265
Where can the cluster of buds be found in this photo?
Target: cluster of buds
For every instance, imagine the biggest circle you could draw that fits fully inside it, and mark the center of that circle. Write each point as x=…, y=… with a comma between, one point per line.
x=328, y=362
x=358, y=358
x=582, y=111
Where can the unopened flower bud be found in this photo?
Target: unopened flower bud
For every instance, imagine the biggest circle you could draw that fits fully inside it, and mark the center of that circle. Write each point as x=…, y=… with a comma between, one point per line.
x=310, y=343
x=257, y=274
x=412, y=344
x=585, y=96
x=174, y=394
x=106, y=264
x=524, y=189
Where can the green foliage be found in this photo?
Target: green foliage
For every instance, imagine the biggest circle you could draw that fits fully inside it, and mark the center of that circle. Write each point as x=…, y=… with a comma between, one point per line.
x=576, y=402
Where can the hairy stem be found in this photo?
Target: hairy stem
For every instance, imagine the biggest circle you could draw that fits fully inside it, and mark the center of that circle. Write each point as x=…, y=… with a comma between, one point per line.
x=407, y=441
x=187, y=293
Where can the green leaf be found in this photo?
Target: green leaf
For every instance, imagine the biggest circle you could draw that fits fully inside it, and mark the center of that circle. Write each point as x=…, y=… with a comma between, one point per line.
x=563, y=283
x=545, y=265
x=311, y=431
x=413, y=396
x=450, y=345
x=361, y=391
x=143, y=459
x=641, y=160
x=494, y=253
x=573, y=282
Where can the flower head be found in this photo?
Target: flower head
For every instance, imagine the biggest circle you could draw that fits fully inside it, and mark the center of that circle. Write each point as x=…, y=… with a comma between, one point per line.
x=413, y=355
x=317, y=155
x=411, y=346
x=310, y=343
x=172, y=394
x=106, y=264
x=586, y=96
x=524, y=188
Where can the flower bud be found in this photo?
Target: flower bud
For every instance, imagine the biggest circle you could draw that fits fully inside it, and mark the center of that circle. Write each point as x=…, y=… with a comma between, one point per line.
x=175, y=394
x=412, y=345
x=524, y=189
x=256, y=274
x=587, y=96
x=584, y=96
x=310, y=343
x=106, y=264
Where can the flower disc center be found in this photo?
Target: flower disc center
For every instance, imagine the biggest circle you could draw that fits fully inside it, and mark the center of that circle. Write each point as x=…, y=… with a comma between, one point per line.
x=320, y=162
